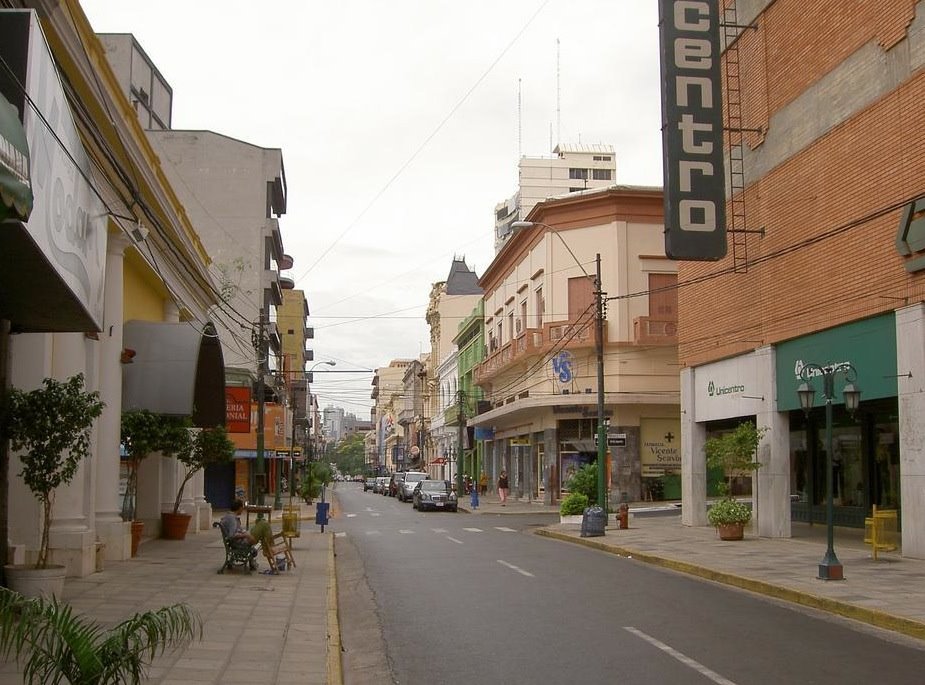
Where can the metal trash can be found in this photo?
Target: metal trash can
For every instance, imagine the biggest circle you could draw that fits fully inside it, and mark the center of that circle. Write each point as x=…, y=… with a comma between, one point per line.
x=593, y=522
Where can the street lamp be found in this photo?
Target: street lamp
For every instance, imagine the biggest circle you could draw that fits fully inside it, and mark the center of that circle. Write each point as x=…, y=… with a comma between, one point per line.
x=599, y=349
x=830, y=567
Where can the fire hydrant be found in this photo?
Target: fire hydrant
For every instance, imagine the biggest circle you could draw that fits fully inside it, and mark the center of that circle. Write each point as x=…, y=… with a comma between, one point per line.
x=624, y=516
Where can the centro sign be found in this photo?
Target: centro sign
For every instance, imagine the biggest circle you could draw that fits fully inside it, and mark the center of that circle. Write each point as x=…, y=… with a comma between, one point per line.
x=692, y=129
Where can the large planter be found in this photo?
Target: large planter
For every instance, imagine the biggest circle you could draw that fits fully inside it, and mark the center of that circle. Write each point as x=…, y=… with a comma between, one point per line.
x=731, y=531
x=35, y=582
x=137, y=529
x=174, y=526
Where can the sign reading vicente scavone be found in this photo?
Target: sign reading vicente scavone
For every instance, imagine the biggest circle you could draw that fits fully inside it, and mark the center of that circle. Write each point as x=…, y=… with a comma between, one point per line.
x=692, y=129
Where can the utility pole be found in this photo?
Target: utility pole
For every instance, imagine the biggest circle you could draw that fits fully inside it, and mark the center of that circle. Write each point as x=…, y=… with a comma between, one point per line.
x=261, y=372
x=461, y=419
x=601, y=429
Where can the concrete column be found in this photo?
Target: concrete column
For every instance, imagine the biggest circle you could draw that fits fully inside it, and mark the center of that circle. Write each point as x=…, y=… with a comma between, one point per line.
x=693, y=458
x=772, y=480
x=111, y=531
x=910, y=359
x=202, y=518
x=71, y=538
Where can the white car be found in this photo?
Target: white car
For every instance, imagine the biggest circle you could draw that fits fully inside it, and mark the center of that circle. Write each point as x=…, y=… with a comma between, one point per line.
x=406, y=487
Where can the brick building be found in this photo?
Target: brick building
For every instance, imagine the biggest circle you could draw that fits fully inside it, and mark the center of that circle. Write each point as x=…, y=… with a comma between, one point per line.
x=830, y=174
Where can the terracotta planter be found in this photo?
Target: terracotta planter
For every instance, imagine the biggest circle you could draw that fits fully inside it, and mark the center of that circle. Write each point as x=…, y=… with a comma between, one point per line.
x=174, y=526
x=137, y=529
x=36, y=582
x=731, y=531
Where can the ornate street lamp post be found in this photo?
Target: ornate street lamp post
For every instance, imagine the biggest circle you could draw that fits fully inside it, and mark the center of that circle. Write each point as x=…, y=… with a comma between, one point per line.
x=830, y=567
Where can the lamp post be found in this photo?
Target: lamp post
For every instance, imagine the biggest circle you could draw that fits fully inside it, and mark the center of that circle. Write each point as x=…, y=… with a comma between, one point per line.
x=830, y=567
x=599, y=351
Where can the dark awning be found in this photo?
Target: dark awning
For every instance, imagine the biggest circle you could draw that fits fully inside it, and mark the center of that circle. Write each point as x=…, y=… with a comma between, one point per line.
x=15, y=188
x=177, y=370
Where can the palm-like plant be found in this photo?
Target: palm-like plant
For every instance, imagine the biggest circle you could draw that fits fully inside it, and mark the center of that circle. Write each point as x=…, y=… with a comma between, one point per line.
x=54, y=645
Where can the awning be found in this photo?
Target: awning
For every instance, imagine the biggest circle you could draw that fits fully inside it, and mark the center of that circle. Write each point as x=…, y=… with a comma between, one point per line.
x=15, y=187
x=176, y=370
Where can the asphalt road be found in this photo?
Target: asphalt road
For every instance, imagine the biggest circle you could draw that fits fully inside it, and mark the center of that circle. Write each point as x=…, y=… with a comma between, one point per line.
x=457, y=598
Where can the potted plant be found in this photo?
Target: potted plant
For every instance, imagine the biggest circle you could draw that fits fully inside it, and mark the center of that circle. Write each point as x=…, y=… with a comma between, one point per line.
x=316, y=476
x=734, y=452
x=572, y=507
x=54, y=645
x=51, y=425
x=144, y=432
x=208, y=446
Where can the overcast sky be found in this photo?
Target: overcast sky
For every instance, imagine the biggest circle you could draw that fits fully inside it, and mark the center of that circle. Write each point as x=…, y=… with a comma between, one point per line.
x=399, y=126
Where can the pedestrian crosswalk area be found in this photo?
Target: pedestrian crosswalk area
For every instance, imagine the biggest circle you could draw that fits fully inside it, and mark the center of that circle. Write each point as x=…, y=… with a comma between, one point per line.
x=439, y=531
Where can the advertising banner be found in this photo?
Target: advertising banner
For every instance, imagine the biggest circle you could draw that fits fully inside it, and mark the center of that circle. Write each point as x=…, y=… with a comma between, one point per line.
x=238, y=409
x=660, y=446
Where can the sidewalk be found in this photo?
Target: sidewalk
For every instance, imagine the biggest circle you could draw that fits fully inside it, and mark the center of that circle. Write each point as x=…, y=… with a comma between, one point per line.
x=257, y=628
x=888, y=593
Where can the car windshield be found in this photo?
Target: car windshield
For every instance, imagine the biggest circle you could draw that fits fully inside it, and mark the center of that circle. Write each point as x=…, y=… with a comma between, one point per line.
x=414, y=477
x=433, y=485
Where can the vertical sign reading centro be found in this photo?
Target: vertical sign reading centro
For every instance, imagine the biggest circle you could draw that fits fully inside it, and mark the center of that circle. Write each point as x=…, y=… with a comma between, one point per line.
x=692, y=129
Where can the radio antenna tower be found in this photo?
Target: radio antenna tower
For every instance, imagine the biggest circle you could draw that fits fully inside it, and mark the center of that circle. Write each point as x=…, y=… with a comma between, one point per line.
x=558, y=98
x=520, y=126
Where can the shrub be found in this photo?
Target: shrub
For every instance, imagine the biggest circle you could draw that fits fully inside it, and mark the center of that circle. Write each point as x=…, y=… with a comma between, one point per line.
x=585, y=482
x=728, y=511
x=574, y=503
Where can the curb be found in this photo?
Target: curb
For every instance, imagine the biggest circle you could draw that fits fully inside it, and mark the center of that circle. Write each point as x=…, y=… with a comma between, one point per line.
x=334, y=669
x=872, y=617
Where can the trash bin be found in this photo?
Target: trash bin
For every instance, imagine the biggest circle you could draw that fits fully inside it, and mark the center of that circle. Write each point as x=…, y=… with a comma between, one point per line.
x=593, y=522
x=321, y=514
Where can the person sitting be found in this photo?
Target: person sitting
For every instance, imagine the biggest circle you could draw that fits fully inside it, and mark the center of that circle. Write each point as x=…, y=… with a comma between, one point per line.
x=231, y=524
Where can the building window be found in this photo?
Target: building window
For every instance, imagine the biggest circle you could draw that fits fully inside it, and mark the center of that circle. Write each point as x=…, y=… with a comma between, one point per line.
x=540, y=307
x=602, y=174
x=510, y=324
x=581, y=174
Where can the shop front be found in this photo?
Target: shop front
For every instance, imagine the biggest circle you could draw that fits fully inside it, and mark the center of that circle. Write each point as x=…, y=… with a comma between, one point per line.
x=865, y=447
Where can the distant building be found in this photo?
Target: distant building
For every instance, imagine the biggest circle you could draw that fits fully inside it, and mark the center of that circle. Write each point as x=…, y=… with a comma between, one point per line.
x=573, y=168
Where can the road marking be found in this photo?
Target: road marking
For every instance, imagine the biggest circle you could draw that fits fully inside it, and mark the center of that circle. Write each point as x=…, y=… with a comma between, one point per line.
x=406, y=532
x=506, y=530
x=374, y=532
x=515, y=568
x=683, y=658
x=473, y=530
x=375, y=513
x=439, y=530
x=350, y=516
x=458, y=542
x=340, y=535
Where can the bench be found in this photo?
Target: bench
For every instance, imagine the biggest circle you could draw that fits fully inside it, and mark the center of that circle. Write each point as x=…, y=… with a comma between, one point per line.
x=236, y=552
x=277, y=546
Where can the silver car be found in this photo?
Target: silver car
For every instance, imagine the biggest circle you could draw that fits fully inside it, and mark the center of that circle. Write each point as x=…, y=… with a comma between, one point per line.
x=406, y=487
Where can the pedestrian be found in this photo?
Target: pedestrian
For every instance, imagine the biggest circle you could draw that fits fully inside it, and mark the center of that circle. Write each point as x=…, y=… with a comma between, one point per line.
x=503, y=487
x=474, y=497
x=483, y=483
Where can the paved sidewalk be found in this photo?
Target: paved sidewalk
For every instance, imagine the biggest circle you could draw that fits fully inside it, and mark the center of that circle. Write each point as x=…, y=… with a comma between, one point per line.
x=257, y=628
x=888, y=593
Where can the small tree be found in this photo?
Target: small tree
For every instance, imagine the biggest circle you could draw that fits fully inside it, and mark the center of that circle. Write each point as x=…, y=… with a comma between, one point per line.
x=317, y=474
x=585, y=482
x=209, y=446
x=52, y=424
x=144, y=432
x=733, y=452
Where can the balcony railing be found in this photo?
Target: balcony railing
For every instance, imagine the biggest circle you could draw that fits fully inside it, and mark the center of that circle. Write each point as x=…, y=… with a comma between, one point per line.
x=569, y=335
x=651, y=331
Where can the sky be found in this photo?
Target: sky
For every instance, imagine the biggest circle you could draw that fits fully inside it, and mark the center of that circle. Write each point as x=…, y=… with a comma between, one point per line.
x=401, y=123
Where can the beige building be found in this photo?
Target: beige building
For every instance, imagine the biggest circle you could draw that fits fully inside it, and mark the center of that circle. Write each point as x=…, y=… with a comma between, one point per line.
x=539, y=376
x=388, y=387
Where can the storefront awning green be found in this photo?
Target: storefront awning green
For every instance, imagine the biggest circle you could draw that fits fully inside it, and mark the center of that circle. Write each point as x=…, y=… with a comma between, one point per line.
x=15, y=187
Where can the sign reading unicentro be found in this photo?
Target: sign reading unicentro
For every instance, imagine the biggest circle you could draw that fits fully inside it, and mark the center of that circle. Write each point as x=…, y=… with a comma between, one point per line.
x=692, y=129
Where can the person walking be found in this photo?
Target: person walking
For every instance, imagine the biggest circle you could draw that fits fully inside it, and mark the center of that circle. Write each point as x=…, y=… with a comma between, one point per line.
x=483, y=483
x=503, y=487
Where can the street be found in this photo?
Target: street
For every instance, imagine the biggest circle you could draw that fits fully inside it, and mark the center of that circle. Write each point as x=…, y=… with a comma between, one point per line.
x=463, y=598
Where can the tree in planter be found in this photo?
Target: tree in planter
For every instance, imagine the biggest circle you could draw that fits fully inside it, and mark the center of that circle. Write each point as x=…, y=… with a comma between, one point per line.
x=144, y=432
x=734, y=452
x=585, y=482
x=316, y=476
x=55, y=645
x=52, y=425
x=209, y=446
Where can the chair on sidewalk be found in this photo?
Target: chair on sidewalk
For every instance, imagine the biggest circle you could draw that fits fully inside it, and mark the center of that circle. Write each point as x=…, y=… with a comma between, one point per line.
x=236, y=553
x=275, y=547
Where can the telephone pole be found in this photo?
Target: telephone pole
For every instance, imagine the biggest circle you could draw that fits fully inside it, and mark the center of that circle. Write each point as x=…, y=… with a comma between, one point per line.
x=261, y=372
x=460, y=429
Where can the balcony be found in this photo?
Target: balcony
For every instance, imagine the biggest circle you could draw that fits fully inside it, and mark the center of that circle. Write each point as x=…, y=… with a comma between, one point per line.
x=650, y=331
x=567, y=335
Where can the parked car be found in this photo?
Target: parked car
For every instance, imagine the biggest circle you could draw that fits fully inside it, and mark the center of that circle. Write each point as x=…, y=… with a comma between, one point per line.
x=406, y=487
x=369, y=484
x=434, y=494
x=395, y=483
x=380, y=485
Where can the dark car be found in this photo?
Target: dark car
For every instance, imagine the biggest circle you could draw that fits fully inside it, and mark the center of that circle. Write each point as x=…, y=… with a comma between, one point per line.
x=369, y=483
x=434, y=494
x=395, y=483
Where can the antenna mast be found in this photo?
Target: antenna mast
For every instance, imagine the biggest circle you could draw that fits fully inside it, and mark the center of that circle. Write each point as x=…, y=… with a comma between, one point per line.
x=520, y=130
x=558, y=98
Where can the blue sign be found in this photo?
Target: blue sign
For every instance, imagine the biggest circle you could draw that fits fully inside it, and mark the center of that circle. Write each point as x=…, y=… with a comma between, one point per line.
x=562, y=366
